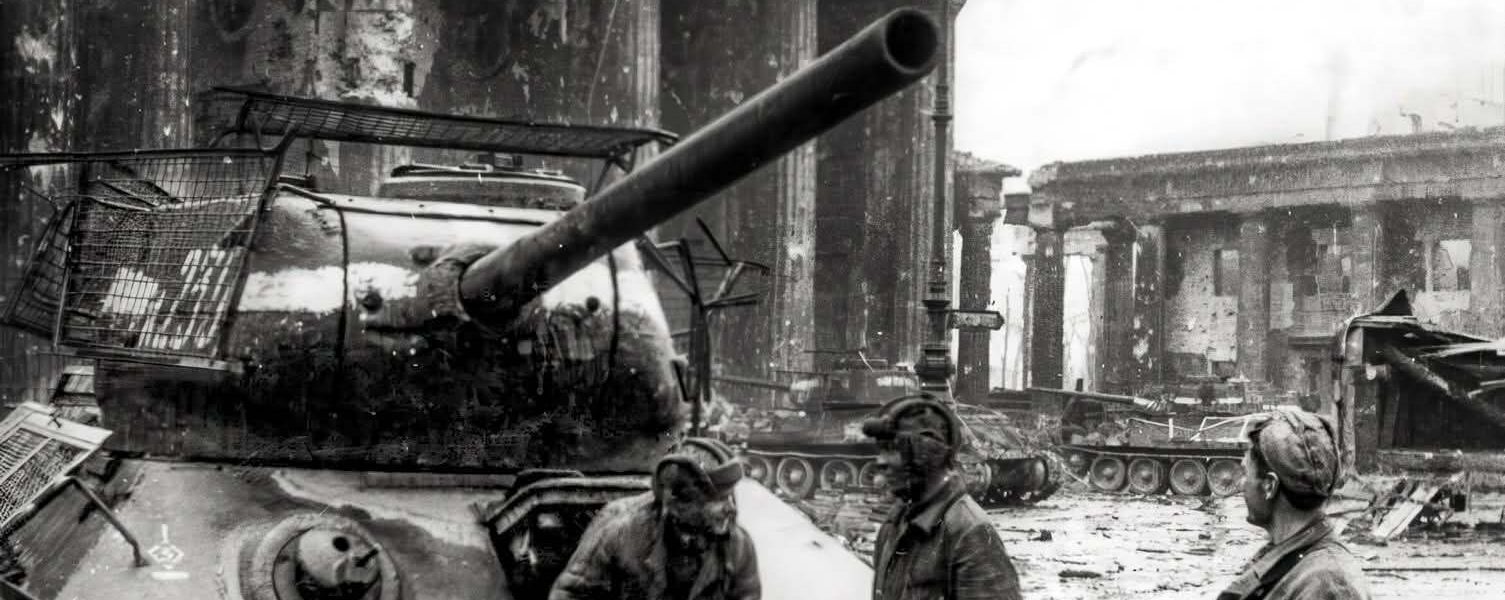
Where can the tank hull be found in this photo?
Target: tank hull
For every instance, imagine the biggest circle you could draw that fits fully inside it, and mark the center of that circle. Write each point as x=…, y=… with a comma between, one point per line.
x=431, y=543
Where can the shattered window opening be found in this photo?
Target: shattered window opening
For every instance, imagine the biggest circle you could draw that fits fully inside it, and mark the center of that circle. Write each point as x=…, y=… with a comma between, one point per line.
x=1447, y=264
x=1225, y=280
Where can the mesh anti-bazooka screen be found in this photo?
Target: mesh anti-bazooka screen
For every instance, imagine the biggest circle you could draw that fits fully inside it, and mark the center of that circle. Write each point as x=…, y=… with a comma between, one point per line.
x=348, y=122
x=146, y=254
x=36, y=450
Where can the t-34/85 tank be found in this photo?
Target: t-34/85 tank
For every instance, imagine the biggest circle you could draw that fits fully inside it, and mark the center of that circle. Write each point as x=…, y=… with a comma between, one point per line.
x=823, y=448
x=313, y=395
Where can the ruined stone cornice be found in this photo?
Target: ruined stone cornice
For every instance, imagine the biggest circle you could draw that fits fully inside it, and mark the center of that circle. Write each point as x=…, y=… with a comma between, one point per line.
x=1271, y=156
x=966, y=162
x=1467, y=165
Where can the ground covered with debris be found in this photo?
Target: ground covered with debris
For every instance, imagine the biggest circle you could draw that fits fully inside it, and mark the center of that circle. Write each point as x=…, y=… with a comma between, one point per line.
x=1083, y=544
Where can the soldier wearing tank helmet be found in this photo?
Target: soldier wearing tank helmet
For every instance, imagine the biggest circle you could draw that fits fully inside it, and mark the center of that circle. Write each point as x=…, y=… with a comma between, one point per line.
x=1291, y=469
x=681, y=541
x=937, y=542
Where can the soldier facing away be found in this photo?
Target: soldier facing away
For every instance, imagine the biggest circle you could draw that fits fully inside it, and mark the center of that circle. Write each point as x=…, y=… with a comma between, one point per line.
x=1290, y=470
x=937, y=542
x=680, y=541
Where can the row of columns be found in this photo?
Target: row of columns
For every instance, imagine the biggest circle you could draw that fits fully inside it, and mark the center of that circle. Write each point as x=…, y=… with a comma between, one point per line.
x=1129, y=332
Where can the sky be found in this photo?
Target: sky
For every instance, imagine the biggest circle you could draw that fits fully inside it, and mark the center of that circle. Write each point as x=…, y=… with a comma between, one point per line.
x=1040, y=81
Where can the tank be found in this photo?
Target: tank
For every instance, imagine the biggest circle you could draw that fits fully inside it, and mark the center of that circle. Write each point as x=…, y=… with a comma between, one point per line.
x=424, y=394
x=1127, y=443
x=818, y=445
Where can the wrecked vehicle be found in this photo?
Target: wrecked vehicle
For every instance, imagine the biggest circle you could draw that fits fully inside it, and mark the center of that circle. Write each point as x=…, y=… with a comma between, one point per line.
x=1412, y=395
x=1151, y=446
x=425, y=394
x=824, y=449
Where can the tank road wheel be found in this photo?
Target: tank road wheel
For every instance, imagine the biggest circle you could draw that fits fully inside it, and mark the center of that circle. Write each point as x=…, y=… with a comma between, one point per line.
x=867, y=478
x=795, y=477
x=1108, y=473
x=1080, y=463
x=1225, y=477
x=758, y=469
x=1146, y=475
x=1188, y=477
x=838, y=474
x=979, y=479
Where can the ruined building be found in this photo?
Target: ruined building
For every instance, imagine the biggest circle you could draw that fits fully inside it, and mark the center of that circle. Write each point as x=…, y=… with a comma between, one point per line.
x=1229, y=272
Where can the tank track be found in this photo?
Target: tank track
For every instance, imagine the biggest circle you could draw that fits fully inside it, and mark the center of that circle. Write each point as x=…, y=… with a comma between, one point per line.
x=798, y=475
x=1154, y=470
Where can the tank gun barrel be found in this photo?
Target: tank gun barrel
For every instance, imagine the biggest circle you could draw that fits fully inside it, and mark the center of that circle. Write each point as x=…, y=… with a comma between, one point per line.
x=887, y=56
x=1100, y=397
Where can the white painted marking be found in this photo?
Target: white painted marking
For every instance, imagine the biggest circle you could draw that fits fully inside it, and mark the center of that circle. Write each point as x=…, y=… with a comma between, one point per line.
x=167, y=555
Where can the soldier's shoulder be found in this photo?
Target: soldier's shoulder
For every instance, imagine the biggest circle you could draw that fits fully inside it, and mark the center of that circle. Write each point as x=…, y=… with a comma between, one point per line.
x=967, y=514
x=1330, y=571
x=625, y=512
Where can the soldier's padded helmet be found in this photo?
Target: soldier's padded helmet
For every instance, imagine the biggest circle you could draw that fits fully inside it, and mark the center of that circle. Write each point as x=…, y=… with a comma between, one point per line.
x=919, y=415
x=712, y=465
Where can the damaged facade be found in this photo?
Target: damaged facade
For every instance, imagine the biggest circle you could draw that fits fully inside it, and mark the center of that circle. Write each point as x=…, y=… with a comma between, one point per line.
x=1228, y=274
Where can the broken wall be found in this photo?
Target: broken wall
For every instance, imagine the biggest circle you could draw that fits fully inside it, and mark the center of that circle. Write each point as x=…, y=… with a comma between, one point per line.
x=1201, y=306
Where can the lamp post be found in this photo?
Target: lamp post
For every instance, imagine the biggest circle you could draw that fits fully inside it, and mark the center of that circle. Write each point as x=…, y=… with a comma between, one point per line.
x=935, y=367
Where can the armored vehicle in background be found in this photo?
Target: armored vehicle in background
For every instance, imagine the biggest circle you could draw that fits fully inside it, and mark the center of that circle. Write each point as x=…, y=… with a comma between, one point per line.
x=1151, y=446
x=819, y=445
x=425, y=394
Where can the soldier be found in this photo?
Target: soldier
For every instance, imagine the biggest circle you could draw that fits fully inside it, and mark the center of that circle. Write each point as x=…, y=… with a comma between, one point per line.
x=680, y=541
x=1290, y=470
x=937, y=542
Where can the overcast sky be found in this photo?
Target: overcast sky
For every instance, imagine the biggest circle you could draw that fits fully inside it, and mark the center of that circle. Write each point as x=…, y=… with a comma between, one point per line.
x=1045, y=80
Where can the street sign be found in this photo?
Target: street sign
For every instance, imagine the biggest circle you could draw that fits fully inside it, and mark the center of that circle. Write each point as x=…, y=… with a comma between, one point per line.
x=976, y=320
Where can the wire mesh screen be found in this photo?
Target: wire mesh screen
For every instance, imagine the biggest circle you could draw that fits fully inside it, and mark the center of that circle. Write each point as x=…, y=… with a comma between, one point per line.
x=279, y=115
x=34, y=309
x=150, y=253
x=32, y=462
x=37, y=449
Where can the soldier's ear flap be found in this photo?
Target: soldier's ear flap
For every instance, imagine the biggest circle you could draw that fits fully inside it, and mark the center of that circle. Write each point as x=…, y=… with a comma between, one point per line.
x=673, y=479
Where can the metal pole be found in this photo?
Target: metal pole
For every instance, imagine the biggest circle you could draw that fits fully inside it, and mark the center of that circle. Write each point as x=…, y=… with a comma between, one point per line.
x=109, y=515
x=935, y=367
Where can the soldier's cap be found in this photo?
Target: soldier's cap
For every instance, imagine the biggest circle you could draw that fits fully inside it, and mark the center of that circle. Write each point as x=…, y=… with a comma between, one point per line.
x=1302, y=449
x=712, y=463
x=921, y=415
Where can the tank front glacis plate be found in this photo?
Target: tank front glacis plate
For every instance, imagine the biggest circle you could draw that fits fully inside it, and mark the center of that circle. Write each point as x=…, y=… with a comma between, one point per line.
x=217, y=532
x=210, y=532
x=321, y=387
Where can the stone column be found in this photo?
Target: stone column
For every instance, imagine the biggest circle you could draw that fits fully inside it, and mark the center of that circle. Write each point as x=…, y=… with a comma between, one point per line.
x=716, y=55
x=1115, y=337
x=1047, y=290
x=1367, y=231
x=979, y=196
x=876, y=182
x=1254, y=297
x=133, y=75
x=1147, y=331
x=1485, y=267
x=38, y=81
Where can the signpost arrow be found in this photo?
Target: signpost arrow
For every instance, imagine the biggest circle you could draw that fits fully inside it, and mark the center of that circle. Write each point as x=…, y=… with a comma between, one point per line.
x=976, y=320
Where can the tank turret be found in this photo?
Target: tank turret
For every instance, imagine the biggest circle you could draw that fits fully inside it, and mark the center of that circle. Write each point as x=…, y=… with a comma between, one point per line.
x=314, y=394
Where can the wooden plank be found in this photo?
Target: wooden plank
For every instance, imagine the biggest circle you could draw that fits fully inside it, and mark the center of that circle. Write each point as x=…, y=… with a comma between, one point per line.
x=1401, y=515
x=1442, y=462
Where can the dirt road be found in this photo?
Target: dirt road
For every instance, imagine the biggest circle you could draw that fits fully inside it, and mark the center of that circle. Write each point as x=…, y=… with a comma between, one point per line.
x=1173, y=548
